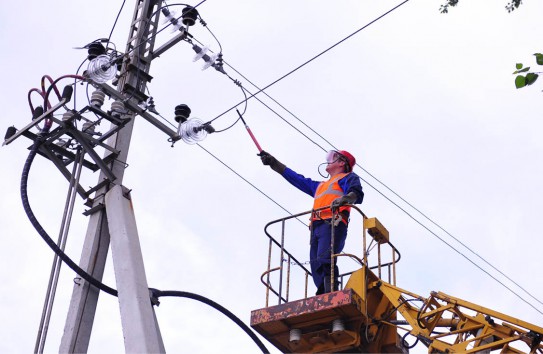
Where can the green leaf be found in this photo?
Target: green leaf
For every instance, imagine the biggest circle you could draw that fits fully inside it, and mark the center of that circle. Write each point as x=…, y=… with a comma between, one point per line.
x=539, y=58
x=519, y=65
x=522, y=71
x=520, y=81
x=530, y=78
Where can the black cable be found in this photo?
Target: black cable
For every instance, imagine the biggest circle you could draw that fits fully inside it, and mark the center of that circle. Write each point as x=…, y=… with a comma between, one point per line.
x=40, y=229
x=252, y=185
x=115, y=23
x=413, y=218
x=157, y=293
x=204, y=24
x=216, y=306
x=241, y=114
x=405, y=344
x=75, y=82
x=369, y=184
x=316, y=56
x=379, y=181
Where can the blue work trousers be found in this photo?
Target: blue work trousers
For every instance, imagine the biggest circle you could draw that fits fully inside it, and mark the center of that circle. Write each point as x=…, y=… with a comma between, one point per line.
x=319, y=253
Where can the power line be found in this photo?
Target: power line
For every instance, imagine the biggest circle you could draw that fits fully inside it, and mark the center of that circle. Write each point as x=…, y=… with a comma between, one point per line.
x=371, y=175
x=316, y=56
x=115, y=23
x=376, y=179
x=248, y=182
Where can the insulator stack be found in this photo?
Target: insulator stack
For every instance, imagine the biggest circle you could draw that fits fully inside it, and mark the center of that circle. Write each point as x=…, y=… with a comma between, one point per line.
x=117, y=108
x=97, y=98
x=88, y=127
x=68, y=115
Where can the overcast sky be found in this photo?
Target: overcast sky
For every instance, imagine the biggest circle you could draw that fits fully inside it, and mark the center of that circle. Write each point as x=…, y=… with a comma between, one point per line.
x=425, y=101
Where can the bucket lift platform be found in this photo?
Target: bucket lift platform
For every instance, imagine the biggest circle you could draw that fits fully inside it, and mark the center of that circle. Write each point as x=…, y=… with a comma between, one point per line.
x=323, y=323
x=338, y=322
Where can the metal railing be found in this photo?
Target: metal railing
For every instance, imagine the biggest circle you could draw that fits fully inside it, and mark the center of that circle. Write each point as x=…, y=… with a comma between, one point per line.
x=285, y=257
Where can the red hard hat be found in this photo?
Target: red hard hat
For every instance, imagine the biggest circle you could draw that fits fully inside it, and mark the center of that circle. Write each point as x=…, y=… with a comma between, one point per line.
x=350, y=158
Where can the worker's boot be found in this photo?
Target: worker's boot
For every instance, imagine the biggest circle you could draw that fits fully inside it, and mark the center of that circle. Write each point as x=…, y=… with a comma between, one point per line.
x=320, y=290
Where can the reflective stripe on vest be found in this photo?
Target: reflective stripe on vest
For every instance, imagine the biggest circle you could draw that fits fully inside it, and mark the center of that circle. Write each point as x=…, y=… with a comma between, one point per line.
x=326, y=193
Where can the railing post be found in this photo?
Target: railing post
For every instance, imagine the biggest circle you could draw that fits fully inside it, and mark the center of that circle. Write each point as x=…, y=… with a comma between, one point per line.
x=332, y=257
x=288, y=277
x=393, y=267
x=281, y=260
x=379, y=259
x=268, y=276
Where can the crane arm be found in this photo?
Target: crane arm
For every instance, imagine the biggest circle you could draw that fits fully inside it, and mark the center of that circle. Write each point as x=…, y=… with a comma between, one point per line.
x=448, y=324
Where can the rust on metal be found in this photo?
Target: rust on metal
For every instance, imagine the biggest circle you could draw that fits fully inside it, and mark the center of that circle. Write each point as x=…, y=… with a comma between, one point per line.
x=314, y=317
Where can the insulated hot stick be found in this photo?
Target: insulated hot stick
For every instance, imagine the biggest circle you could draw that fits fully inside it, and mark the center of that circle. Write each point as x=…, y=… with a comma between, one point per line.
x=250, y=132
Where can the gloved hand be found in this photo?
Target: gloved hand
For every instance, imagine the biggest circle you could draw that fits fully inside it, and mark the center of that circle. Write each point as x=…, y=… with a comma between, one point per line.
x=266, y=158
x=269, y=160
x=346, y=199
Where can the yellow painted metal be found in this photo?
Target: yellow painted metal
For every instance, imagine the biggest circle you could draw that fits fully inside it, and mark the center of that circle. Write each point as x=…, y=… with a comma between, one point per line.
x=373, y=310
x=487, y=311
x=376, y=230
x=468, y=332
x=376, y=338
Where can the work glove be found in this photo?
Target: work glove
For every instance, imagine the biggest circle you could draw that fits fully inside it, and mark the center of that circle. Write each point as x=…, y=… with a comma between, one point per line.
x=269, y=160
x=346, y=199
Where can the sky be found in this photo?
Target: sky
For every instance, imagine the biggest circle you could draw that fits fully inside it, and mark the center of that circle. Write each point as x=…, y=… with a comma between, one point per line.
x=425, y=101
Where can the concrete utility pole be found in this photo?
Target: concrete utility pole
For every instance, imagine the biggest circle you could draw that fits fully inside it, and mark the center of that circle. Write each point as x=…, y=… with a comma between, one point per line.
x=110, y=214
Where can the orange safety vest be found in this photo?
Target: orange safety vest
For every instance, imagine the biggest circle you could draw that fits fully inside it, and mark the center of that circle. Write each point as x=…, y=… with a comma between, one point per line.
x=326, y=193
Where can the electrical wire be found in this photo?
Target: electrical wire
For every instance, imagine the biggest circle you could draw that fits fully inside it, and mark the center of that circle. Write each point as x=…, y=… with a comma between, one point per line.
x=221, y=309
x=240, y=114
x=371, y=175
x=204, y=24
x=115, y=23
x=379, y=181
x=406, y=212
x=318, y=55
x=75, y=82
x=247, y=181
x=261, y=90
x=415, y=219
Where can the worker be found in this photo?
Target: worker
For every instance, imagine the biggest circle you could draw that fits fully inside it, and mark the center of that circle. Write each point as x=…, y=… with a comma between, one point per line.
x=343, y=187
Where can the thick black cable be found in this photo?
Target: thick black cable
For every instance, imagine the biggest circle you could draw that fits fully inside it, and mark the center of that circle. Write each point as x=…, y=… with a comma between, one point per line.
x=407, y=345
x=221, y=309
x=158, y=293
x=26, y=205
